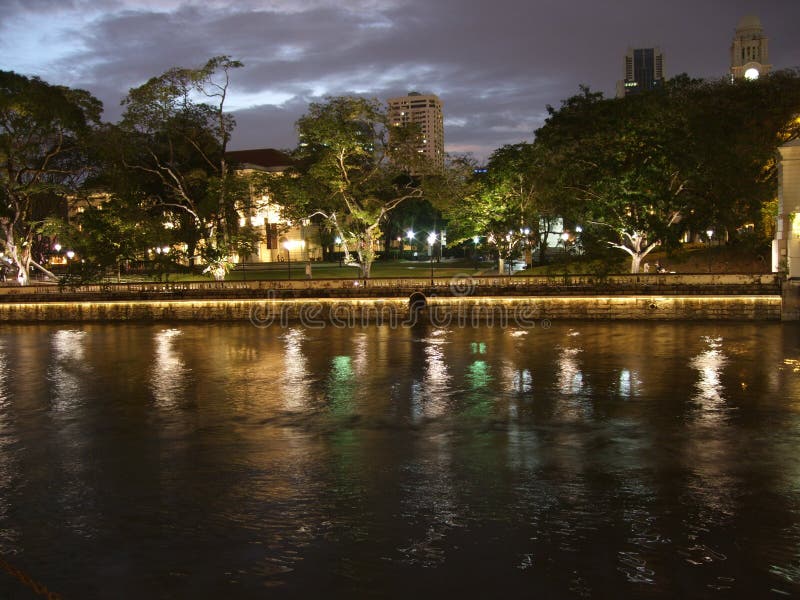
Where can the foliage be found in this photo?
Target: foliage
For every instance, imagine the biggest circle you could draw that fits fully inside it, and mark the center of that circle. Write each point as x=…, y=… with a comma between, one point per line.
x=350, y=171
x=172, y=140
x=43, y=159
x=652, y=166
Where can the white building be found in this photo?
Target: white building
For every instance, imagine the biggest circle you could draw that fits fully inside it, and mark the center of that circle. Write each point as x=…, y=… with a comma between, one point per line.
x=786, y=245
x=749, y=50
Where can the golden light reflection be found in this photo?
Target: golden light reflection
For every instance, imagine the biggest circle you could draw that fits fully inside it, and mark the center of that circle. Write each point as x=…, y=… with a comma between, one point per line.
x=570, y=375
x=169, y=372
x=429, y=396
x=709, y=390
x=793, y=364
x=570, y=382
x=629, y=383
x=295, y=367
x=67, y=367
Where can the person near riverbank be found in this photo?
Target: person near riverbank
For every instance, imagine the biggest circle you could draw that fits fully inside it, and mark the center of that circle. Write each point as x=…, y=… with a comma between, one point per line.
x=308, y=270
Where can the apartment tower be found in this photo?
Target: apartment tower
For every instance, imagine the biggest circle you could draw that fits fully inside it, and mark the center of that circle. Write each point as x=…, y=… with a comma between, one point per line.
x=424, y=110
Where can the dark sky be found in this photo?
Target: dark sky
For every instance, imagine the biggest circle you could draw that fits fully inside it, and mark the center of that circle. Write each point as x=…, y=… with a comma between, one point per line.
x=496, y=64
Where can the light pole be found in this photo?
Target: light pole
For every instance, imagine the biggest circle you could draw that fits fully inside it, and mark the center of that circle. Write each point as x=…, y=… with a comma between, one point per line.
x=709, y=233
x=410, y=236
x=70, y=256
x=431, y=242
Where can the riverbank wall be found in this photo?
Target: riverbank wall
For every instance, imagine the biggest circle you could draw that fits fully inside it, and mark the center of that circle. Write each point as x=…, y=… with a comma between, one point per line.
x=462, y=298
x=438, y=310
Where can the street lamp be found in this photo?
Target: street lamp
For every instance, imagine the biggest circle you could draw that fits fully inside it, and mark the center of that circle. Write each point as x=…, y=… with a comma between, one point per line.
x=709, y=234
x=70, y=256
x=431, y=242
x=288, y=245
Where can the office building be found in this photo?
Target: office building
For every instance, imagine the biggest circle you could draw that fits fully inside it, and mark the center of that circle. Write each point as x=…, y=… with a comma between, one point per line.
x=644, y=70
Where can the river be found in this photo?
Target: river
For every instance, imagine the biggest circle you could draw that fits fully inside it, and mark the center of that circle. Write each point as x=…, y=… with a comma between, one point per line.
x=570, y=460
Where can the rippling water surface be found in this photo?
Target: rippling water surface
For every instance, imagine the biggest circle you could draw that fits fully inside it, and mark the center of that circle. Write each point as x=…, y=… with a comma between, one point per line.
x=225, y=461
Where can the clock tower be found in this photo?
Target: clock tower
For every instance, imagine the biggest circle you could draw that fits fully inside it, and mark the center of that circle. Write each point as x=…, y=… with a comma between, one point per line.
x=749, y=50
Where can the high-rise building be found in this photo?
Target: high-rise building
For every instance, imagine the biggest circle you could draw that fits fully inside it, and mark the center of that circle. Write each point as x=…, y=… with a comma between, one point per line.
x=749, y=50
x=424, y=110
x=644, y=70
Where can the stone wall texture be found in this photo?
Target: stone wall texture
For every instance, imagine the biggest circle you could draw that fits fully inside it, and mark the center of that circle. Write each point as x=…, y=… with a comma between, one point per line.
x=443, y=310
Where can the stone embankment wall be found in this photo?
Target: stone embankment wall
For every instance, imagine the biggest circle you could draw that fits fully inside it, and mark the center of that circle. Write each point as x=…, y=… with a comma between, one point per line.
x=443, y=310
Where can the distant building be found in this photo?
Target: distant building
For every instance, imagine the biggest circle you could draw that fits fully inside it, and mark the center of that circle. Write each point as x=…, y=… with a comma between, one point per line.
x=281, y=239
x=749, y=50
x=424, y=110
x=644, y=70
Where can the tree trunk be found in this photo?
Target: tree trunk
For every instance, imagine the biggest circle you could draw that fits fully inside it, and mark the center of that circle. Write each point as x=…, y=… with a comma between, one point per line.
x=636, y=260
x=542, y=253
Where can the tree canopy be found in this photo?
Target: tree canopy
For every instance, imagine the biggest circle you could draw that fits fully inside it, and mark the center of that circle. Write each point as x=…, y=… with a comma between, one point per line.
x=43, y=159
x=352, y=170
x=649, y=167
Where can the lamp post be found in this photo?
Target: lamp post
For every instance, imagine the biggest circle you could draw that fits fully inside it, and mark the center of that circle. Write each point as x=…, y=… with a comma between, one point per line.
x=410, y=236
x=709, y=234
x=431, y=242
x=288, y=245
x=70, y=256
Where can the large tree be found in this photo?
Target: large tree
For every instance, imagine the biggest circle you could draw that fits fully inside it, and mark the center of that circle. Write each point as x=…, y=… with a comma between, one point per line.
x=648, y=166
x=174, y=133
x=352, y=172
x=43, y=129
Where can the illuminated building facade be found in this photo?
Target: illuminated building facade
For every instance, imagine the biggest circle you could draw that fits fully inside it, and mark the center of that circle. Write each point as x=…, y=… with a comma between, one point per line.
x=281, y=239
x=749, y=50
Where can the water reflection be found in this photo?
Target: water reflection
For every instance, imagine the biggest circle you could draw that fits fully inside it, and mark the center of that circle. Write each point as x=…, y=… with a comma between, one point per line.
x=429, y=396
x=68, y=368
x=575, y=401
x=296, y=384
x=169, y=373
x=570, y=375
x=8, y=466
x=709, y=391
x=466, y=462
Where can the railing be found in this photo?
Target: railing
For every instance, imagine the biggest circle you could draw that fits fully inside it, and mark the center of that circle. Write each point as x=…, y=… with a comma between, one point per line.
x=456, y=285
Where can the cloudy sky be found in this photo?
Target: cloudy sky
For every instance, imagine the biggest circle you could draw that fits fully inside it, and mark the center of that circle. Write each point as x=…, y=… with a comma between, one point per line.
x=496, y=64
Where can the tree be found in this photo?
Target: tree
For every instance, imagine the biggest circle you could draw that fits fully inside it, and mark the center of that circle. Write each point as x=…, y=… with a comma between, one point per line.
x=737, y=130
x=109, y=233
x=174, y=134
x=43, y=129
x=618, y=162
x=650, y=166
x=350, y=171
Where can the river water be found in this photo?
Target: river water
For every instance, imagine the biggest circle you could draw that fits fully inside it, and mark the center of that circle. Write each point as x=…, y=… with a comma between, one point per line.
x=582, y=460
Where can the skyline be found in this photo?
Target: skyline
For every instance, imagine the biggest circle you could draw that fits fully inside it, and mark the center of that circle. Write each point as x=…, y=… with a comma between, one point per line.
x=495, y=73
